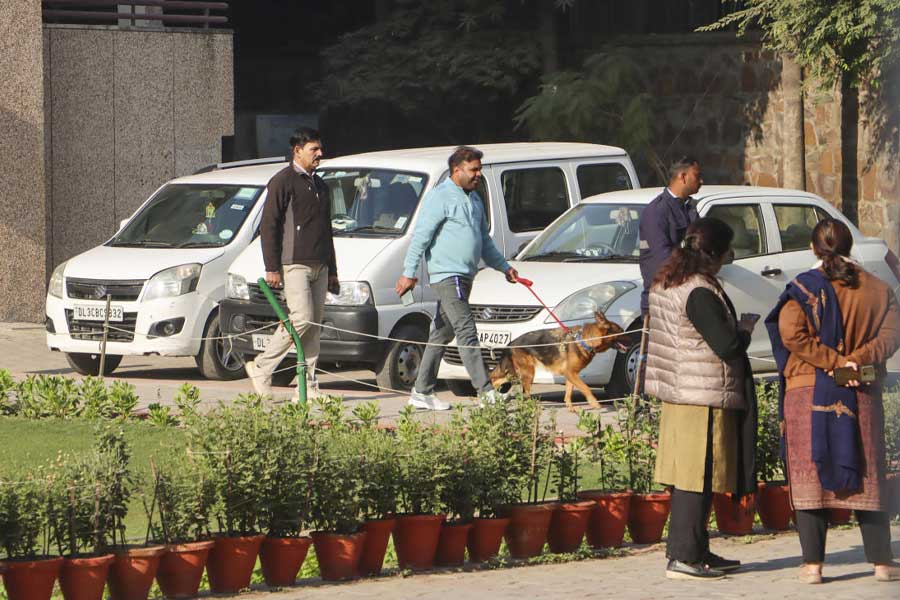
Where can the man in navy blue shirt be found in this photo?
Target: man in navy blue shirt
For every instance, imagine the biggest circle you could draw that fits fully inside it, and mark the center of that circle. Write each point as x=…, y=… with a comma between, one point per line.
x=666, y=218
x=662, y=227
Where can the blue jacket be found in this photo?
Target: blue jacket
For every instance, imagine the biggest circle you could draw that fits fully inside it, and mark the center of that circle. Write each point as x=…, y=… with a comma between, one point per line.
x=662, y=227
x=452, y=233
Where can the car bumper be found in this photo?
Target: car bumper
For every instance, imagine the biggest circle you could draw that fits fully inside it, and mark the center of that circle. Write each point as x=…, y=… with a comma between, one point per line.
x=132, y=335
x=240, y=318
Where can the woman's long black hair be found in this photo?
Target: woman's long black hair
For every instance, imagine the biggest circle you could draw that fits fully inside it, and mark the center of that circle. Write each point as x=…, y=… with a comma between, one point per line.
x=706, y=241
x=832, y=242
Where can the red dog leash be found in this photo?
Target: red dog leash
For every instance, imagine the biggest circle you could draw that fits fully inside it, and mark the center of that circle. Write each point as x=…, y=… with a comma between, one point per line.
x=528, y=283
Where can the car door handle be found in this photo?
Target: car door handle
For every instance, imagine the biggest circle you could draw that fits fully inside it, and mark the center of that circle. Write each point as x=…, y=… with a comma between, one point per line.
x=767, y=272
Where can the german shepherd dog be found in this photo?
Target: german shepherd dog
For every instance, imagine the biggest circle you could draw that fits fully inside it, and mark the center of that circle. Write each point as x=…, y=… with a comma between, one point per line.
x=568, y=353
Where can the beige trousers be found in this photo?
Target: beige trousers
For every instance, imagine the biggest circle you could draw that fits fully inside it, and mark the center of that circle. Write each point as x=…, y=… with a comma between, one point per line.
x=304, y=291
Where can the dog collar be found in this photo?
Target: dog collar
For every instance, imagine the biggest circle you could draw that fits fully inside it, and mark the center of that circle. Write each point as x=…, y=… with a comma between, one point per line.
x=583, y=344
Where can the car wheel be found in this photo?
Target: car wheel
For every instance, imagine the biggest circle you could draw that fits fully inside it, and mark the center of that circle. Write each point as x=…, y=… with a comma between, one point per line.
x=89, y=364
x=622, y=381
x=400, y=365
x=460, y=387
x=217, y=358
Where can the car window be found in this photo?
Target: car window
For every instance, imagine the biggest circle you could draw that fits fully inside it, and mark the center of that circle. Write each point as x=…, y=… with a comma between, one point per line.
x=795, y=225
x=534, y=197
x=375, y=202
x=590, y=232
x=485, y=200
x=600, y=178
x=746, y=222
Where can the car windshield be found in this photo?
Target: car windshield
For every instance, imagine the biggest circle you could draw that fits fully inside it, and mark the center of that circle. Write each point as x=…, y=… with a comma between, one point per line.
x=590, y=232
x=190, y=215
x=377, y=202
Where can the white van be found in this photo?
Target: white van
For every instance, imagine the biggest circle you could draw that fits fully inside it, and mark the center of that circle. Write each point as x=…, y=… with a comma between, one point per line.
x=164, y=271
x=374, y=198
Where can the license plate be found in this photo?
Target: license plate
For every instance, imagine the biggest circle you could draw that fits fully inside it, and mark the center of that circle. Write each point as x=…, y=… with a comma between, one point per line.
x=97, y=312
x=493, y=338
x=261, y=342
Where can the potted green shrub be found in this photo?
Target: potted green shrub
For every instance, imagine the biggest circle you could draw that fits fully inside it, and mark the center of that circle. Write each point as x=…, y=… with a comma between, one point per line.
x=773, y=494
x=335, y=478
x=29, y=573
x=891, y=400
x=605, y=446
x=287, y=503
x=377, y=449
x=457, y=497
x=178, y=516
x=570, y=518
x=531, y=447
x=234, y=443
x=638, y=421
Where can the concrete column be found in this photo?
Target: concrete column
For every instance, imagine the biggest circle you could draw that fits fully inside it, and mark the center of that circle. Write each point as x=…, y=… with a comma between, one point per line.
x=23, y=226
x=793, y=150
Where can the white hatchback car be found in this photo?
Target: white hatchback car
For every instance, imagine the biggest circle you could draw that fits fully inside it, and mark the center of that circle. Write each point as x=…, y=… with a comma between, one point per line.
x=587, y=260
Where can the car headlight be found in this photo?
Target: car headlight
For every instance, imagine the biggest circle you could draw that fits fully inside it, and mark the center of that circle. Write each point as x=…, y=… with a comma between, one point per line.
x=237, y=287
x=173, y=282
x=582, y=305
x=353, y=293
x=55, y=288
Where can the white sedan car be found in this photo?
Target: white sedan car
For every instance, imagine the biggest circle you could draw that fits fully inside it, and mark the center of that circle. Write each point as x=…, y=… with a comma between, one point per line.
x=587, y=260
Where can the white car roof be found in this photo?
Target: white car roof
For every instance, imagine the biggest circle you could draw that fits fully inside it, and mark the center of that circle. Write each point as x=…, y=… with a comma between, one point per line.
x=706, y=193
x=432, y=161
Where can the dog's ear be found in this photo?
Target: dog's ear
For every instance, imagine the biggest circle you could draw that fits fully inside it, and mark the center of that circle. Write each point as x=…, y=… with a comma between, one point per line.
x=600, y=317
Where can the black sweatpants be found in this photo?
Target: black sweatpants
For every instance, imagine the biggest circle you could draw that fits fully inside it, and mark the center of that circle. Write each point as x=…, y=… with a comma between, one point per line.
x=688, y=539
x=875, y=526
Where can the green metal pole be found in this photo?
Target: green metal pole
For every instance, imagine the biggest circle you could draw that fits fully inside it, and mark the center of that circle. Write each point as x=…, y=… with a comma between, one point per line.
x=301, y=359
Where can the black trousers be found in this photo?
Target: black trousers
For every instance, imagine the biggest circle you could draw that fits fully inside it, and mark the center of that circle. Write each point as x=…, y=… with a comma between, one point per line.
x=688, y=539
x=875, y=526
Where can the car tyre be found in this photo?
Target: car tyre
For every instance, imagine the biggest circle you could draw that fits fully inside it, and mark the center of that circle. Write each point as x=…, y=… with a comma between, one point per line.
x=89, y=364
x=400, y=365
x=217, y=358
x=622, y=381
x=460, y=387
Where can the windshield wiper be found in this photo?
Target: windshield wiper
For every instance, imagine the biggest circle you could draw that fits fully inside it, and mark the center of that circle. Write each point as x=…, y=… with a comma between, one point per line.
x=370, y=228
x=197, y=245
x=552, y=256
x=601, y=258
x=142, y=244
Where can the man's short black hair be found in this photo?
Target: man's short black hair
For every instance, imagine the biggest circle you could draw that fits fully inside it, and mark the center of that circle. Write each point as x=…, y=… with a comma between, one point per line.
x=463, y=154
x=304, y=135
x=681, y=165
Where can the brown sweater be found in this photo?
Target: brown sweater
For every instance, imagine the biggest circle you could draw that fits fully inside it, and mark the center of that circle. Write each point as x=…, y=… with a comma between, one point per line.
x=871, y=332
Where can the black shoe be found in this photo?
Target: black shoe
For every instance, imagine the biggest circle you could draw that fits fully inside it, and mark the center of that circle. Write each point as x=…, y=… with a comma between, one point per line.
x=714, y=561
x=680, y=570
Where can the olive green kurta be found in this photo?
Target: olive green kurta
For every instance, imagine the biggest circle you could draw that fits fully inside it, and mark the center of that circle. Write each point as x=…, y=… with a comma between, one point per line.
x=681, y=456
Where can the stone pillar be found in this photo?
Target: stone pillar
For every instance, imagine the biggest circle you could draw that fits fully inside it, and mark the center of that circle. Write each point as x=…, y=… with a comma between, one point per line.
x=793, y=149
x=23, y=226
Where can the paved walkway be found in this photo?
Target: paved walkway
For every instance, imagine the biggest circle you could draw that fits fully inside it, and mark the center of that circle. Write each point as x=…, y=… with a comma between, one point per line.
x=770, y=568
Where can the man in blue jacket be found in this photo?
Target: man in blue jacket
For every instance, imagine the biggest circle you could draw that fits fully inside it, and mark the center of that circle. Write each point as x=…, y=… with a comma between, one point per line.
x=452, y=233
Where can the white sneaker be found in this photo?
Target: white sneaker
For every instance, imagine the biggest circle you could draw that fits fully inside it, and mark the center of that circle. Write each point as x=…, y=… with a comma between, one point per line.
x=427, y=401
x=262, y=384
x=491, y=397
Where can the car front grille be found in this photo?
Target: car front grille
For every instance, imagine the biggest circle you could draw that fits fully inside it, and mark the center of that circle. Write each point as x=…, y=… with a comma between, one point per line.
x=489, y=313
x=256, y=294
x=122, y=290
x=119, y=331
x=452, y=357
x=255, y=322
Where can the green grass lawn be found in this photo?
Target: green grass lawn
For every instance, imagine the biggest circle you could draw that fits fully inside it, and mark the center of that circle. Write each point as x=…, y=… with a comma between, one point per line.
x=26, y=444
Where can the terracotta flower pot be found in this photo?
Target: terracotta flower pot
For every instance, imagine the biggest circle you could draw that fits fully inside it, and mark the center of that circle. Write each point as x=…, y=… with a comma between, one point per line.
x=647, y=517
x=839, y=516
x=416, y=540
x=181, y=568
x=568, y=525
x=485, y=538
x=338, y=554
x=282, y=558
x=773, y=502
x=528, y=528
x=231, y=561
x=451, y=550
x=84, y=577
x=132, y=572
x=378, y=533
x=606, y=526
x=31, y=579
x=735, y=518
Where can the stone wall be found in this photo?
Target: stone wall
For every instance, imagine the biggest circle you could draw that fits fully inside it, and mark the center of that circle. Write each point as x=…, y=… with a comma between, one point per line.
x=129, y=109
x=23, y=224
